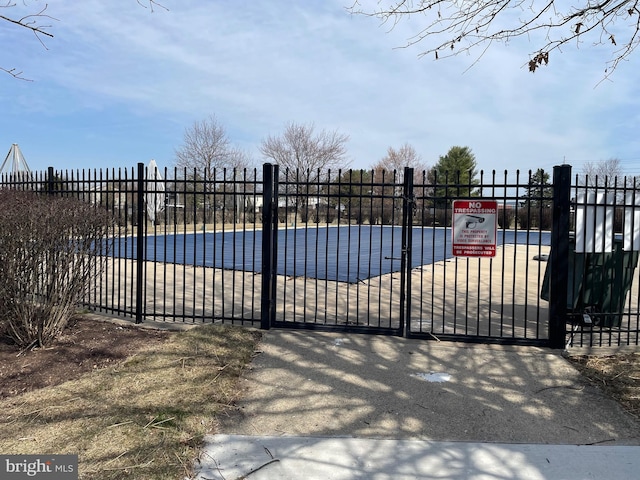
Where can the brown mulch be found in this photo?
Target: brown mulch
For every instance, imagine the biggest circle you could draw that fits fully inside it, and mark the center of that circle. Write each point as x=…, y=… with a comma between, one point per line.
x=84, y=345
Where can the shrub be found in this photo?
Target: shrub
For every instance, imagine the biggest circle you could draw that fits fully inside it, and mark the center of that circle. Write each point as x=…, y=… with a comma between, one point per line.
x=535, y=218
x=424, y=215
x=442, y=217
x=305, y=213
x=50, y=248
x=546, y=218
x=332, y=215
x=523, y=218
x=506, y=216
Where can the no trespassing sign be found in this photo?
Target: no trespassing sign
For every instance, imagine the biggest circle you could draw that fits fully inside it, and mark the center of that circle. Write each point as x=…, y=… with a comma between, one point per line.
x=474, y=229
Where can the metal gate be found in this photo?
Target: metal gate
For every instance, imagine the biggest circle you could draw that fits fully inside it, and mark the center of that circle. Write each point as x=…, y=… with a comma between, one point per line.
x=371, y=252
x=337, y=251
x=494, y=299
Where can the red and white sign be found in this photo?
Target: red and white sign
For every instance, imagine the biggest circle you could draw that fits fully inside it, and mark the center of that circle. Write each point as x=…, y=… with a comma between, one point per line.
x=474, y=228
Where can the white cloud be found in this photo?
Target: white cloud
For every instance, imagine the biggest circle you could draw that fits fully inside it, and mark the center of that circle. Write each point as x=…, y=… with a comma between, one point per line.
x=258, y=65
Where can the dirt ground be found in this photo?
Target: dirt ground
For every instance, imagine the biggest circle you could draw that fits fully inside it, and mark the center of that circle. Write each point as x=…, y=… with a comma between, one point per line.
x=618, y=376
x=84, y=345
x=88, y=344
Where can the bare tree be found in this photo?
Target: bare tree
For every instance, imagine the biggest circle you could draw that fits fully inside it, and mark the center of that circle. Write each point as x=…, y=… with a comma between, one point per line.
x=388, y=176
x=205, y=147
x=306, y=157
x=460, y=26
x=38, y=22
x=300, y=149
x=234, y=191
x=208, y=158
x=602, y=173
x=397, y=160
x=606, y=177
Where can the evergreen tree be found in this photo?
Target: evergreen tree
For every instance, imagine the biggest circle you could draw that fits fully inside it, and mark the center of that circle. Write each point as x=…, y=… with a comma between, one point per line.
x=539, y=191
x=536, y=212
x=454, y=176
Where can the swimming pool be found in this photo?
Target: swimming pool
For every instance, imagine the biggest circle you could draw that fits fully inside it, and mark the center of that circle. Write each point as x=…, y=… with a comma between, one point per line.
x=343, y=253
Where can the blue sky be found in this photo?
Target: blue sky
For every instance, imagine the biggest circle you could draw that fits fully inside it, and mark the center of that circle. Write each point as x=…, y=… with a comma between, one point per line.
x=119, y=84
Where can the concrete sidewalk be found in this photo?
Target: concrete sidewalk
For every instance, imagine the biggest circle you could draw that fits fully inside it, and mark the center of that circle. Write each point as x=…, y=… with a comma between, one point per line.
x=442, y=409
x=234, y=457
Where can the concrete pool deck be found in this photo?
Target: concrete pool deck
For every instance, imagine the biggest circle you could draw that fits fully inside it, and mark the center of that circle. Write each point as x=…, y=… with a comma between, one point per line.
x=498, y=296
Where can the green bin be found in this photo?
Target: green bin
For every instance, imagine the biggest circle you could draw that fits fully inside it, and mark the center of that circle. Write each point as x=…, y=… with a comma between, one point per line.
x=598, y=282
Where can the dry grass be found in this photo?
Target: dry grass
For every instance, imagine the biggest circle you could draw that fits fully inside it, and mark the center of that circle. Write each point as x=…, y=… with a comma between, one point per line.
x=142, y=419
x=617, y=375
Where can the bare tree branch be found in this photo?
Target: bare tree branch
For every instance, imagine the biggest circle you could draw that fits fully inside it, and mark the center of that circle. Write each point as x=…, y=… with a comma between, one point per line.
x=455, y=26
x=15, y=74
x=151, y=4
x=32, y=22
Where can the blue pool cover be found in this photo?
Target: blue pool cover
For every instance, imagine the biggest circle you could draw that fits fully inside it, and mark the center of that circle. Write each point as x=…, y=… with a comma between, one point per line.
x=346, y=253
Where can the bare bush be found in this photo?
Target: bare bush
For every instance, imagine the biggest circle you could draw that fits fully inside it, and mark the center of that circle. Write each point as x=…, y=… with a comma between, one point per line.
x=50, y=248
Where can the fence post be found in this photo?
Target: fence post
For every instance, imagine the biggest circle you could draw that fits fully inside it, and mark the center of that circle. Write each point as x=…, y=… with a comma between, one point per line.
x=274, y=240
x=267, y=247
x=140, y=240
x=50, y=178
x=559, y=259
x=405, y=258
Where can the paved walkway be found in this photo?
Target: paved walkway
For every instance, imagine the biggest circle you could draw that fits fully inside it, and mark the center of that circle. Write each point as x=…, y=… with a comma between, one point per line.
x=324, y=405
x=269, y=458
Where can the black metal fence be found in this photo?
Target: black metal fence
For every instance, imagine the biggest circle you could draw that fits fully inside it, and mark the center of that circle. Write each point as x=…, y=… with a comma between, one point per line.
x=365, y=251
x=603, y=288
